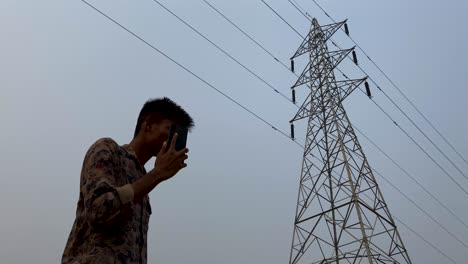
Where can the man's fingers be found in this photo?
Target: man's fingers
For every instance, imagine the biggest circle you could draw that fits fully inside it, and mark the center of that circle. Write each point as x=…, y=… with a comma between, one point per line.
x=182, y=152
x=180, y=156
x=163, y=149
x=174, y=140
x=180, y=159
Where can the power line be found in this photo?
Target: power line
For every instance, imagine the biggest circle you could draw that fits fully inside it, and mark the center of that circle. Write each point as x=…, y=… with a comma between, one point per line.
x=408, y=198
x=420, y=130
x=412, y=139
x=189, y=71
x=220, y=92
x=380, y=149
x=404, y=195
x=421, y=209
x=250, y=37
x=398, y=107
x=297, y=8
x=273, y=10
x=303, y=9
x=396, y=87
x=404, y=131
x=422, y=238
x=221, y=49
x=245, y=34
x=411, y=177
x=420, y=147
x=361, y=90
x=387, y=96
x=411, y=120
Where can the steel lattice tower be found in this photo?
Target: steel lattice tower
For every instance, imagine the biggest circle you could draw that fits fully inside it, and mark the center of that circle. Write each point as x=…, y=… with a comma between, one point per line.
x=341, y=215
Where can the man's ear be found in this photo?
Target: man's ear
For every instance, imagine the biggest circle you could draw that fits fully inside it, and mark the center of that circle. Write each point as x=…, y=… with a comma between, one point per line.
x=147, y=125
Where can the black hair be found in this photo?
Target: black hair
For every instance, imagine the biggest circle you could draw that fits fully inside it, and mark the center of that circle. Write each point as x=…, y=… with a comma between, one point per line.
x=155, y=110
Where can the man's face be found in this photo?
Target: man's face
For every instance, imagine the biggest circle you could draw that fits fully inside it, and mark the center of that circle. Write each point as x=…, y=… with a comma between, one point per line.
x=156, y=134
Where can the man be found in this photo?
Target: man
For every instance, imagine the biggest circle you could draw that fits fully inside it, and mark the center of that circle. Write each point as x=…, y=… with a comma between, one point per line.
x=113, y=209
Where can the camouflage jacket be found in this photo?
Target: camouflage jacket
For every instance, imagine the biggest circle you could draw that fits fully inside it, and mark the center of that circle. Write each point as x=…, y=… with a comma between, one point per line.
x=109, y=227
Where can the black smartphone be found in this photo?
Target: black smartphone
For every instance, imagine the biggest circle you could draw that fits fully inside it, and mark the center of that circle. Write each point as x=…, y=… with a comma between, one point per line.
x=181, y=141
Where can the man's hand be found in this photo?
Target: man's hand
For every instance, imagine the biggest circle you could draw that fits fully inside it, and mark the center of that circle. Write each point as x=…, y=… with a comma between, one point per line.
x=170, y=161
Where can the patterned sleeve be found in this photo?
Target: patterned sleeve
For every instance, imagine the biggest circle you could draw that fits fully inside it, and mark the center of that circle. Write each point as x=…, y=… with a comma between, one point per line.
x=104, y=199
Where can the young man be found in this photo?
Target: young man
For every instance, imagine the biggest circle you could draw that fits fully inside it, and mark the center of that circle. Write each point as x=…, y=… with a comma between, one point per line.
x=113, y=209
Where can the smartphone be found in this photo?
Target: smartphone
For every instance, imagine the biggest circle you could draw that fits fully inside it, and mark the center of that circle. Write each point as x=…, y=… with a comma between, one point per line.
x=181, y=141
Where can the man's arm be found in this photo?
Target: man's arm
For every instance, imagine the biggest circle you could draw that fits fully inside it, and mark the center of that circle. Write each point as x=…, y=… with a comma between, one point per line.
x=104, y=199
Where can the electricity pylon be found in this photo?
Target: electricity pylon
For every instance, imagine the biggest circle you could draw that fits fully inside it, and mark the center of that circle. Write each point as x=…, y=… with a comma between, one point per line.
x=341, y=215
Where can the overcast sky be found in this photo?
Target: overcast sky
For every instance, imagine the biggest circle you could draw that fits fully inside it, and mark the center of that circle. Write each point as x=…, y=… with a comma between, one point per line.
x=69, y=76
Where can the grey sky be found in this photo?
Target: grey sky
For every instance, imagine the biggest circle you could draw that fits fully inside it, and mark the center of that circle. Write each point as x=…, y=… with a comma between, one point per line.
x=69, y=77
